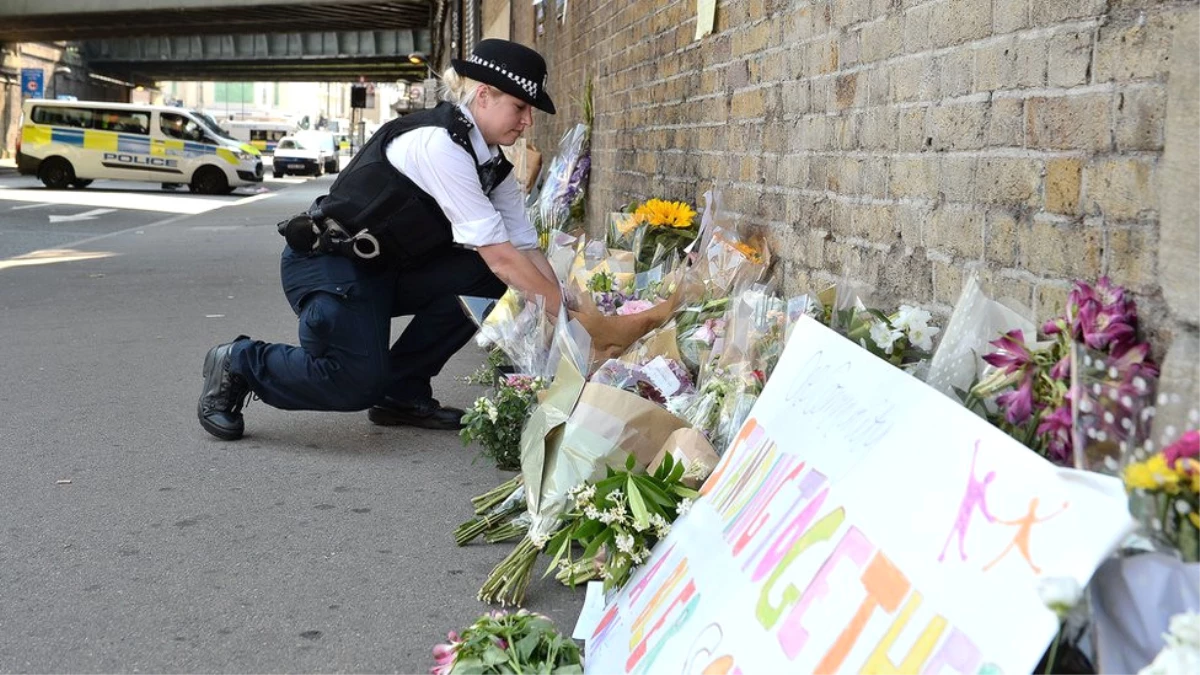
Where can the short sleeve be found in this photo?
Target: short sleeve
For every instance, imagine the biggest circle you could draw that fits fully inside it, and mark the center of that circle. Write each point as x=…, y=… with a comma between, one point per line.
x=440, y=168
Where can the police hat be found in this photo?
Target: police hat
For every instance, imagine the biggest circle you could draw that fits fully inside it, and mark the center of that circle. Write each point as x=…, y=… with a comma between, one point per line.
x=512, y=68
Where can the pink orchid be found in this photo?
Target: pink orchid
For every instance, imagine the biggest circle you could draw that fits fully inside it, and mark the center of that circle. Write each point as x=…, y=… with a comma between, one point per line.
x=1018, y=403
x=1186, y=446
x=1011, y=353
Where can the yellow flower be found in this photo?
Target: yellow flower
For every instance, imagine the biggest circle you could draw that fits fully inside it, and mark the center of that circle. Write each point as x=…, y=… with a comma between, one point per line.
x=1195, y=518
x=661, y=213
x=1152, y=474
x=625, y=222
x=1137, y=477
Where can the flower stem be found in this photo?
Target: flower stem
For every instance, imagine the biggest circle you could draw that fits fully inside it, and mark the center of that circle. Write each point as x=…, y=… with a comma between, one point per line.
x=1053, y=651
x=487, y=500
x=509, y=579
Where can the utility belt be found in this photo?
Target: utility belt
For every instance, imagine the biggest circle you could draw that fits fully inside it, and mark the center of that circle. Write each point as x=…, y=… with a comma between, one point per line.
x=322, y=234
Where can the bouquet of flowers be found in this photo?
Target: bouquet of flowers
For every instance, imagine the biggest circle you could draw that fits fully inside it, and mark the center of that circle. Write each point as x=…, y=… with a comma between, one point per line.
x=496, y=421
x=1165, y=494
x=659, y=379
x=903, y=338
x=626, y=513
x=657, y=231
x=564, y=183
x=503, y=642
x=1181, y=654
x=516, y=325
x=1029, y=385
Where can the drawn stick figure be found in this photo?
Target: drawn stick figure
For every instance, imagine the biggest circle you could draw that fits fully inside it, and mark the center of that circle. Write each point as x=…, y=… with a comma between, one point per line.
x=1021, y=539
x=975, y=496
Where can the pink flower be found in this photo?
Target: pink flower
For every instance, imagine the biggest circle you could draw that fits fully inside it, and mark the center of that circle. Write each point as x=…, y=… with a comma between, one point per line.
x=518, y=381
x=1112, y=296
x=1101, y=327
x=443, y=655
x=634, y=307
x=1186, y=446
x=1057, y=426
x=1062, y=369
x=1134, y=359
x=1011, y=354
x=1018, y=404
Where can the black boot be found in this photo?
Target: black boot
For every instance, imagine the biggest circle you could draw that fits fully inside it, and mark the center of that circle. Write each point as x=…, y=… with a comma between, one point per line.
x=426, y=413
x=224, y=393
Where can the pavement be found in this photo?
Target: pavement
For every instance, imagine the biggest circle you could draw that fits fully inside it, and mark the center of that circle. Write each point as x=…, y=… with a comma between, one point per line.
x=134, y=541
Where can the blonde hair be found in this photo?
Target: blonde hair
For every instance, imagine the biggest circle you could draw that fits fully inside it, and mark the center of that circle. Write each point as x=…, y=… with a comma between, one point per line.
x=457, y=89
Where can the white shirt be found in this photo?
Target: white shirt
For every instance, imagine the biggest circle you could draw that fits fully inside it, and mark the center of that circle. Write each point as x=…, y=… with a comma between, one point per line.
x=440, y=167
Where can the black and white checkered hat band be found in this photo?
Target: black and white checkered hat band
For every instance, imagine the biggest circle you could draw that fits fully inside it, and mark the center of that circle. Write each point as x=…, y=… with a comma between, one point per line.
x=528, y=85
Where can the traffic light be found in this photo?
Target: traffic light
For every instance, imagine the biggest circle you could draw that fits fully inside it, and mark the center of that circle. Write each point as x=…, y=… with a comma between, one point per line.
x=358, y=96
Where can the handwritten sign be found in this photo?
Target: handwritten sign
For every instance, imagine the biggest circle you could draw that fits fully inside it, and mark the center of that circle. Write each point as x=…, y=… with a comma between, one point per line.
x=861, y=522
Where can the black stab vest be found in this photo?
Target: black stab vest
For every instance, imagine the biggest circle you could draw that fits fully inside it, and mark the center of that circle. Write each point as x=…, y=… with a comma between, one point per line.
x=371, y=194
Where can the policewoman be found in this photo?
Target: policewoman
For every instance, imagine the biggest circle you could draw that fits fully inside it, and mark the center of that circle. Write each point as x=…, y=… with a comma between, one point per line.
x=425, y=212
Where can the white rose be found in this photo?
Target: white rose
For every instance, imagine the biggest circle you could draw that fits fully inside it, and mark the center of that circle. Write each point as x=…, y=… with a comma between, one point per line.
x=1060, y=594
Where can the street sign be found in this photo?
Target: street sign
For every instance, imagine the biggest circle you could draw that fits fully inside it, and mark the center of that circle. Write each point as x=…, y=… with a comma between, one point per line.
x=32, y=82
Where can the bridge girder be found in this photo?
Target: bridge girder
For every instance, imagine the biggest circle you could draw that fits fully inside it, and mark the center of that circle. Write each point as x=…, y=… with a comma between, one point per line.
x=103, y=20
x=377, y=55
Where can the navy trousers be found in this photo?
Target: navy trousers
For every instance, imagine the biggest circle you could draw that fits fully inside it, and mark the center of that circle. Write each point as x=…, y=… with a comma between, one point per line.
x=344, y=361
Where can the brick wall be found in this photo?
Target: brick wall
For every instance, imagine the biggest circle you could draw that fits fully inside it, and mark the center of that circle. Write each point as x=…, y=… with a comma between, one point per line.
x=900, y=143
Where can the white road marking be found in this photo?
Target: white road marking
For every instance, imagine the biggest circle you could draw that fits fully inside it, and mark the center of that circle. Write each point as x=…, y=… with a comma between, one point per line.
x=86, y=215
x=135, y=201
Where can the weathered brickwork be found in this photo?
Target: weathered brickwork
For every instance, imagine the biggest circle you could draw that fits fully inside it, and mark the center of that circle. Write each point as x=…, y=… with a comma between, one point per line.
x=899, y=143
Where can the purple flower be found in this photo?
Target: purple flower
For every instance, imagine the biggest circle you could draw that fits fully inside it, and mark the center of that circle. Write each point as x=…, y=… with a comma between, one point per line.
x=1055, y=326
x=1057, y=427
x=1018, y=403
x=1133, y=359
x=1062, y=369
x=1011, y=354
x=1111, y=295
x=1103, y=327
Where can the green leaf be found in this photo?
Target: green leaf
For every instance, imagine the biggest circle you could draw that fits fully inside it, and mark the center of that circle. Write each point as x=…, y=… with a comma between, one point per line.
x=630, y=462
x=526, y=645
x=594, y=545
x=676, y=473
x=637, y=505
x=654, y=492
x=684, y=491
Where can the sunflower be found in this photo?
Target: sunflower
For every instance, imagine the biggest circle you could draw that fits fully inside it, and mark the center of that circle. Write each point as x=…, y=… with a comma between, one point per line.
x=661, y=213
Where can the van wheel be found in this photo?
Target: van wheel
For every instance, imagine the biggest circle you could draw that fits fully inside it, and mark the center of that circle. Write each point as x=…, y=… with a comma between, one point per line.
x=209, y=180
x=56, y=173
x=81, y=183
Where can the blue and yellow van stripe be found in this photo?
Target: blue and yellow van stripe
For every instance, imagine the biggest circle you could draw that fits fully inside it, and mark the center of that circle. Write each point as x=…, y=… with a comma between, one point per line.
x=113, y=141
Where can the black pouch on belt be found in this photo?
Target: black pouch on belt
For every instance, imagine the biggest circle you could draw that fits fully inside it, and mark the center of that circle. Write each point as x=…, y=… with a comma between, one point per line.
x=302, y=233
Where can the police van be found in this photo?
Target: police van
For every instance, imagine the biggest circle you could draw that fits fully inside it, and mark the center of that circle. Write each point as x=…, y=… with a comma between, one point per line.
x=72, y=143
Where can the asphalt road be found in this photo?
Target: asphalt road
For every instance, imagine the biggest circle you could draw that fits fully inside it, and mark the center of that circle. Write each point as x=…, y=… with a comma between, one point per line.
x=132, y=541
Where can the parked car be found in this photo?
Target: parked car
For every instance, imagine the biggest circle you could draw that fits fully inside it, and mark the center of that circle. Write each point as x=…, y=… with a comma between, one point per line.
x=296, y=156
x=326, y=142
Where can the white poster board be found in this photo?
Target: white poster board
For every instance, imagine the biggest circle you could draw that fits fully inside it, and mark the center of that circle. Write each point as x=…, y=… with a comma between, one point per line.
x=861, y=522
